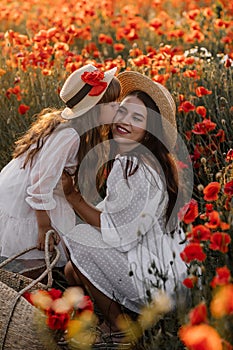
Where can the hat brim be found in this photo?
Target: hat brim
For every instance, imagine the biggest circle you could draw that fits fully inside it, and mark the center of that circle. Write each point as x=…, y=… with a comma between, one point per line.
x=131, y=81
x=88, y=101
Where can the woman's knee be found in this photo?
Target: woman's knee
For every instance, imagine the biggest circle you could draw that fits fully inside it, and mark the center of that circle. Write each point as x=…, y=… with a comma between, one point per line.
x=70, y=274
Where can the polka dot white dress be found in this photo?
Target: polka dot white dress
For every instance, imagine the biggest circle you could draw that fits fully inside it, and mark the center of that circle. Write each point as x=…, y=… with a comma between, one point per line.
x=130, y=254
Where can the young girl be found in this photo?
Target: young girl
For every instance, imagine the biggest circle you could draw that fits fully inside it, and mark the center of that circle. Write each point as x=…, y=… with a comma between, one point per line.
x=129, y=249
x=31, y=195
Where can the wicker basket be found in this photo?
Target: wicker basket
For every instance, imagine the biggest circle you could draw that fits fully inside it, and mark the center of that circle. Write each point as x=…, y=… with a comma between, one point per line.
x=17, y=326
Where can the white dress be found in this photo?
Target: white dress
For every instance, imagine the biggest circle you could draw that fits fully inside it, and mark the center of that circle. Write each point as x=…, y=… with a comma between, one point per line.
x=131, y=254
x=22, y=191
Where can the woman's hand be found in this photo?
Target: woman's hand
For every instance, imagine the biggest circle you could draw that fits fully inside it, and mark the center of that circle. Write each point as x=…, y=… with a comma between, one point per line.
x=68, y=184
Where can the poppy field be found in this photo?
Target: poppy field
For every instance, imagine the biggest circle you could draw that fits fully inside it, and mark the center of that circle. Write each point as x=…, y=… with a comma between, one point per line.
x=188, y=47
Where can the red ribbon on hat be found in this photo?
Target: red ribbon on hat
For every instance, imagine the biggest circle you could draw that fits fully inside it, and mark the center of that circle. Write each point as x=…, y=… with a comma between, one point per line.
x=94, y=79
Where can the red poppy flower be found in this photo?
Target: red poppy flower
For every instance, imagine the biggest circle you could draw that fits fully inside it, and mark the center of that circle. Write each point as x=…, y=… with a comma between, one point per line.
x=86, y=304
x=190, y=73
x=222, y=302
x=202, y=111
x=228, y=63
x=220, y=241
x=196, y=153
x=188, y=135
x=189, y=60
x=55, y=293
x=27, y=296
x=94, y=79
x=132, y=35
x=209, y=208
x=155, y=23
x=190, y=282
x=224, y=226
x=198, y=314
x=214, y=220
x=118, y=47
x=200, y=337
x=190, y=211
x=142, y=61
x=105, y=39
x=199, y=233
x=193, y=13
x=211, y=191
x=228, y=188
x=201, y=91
x=222, y=277
x=204, y=127
x=228, y=205
x=57, y=320
x=186, y=107
x=191, y=252
x=229, y=156
x=23, y=109
x=221, y=135
x=15, y=91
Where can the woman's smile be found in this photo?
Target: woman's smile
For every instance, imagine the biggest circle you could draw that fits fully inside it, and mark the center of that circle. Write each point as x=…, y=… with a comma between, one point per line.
x=122, y=130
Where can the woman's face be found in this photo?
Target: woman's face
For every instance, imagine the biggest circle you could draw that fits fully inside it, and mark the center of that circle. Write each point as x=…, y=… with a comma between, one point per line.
x=107, y=112
x=130, y=122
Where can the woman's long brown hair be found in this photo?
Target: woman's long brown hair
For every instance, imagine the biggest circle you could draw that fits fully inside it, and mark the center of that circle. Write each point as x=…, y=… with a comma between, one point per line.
x=157, y=153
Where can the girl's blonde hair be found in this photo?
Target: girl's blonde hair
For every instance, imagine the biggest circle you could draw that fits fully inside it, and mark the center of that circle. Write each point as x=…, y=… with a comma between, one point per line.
x=50, y=118
x=46, y=122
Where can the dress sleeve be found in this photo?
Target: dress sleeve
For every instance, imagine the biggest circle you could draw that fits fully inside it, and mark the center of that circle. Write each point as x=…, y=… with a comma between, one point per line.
x=129, y=206
x=58, y=153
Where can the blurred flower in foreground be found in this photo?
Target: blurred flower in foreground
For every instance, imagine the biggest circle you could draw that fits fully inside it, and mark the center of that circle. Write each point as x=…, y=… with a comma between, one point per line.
x=150, y=315
x=69, y=314
x=200, y=337
x=222, y=277
x=222, y=302
x=198, y=314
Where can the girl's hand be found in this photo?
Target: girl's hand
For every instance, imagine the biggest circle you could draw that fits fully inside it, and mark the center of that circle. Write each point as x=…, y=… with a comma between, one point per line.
x=44, y=225
x=54, y=239
x=68, y=184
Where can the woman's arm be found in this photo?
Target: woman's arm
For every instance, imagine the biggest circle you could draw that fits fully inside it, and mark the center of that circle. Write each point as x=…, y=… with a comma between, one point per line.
x=85, y=210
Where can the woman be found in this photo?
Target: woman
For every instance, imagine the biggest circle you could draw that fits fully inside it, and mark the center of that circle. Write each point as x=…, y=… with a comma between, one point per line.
x=129, y=248
x=31, y=196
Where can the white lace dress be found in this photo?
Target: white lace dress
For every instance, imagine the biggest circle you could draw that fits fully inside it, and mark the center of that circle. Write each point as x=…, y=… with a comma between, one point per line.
x=22, y=191
x=131, y=254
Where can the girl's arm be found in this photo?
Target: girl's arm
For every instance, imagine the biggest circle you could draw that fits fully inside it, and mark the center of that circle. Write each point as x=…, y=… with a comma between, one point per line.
x=44, y=225
x=86, y=211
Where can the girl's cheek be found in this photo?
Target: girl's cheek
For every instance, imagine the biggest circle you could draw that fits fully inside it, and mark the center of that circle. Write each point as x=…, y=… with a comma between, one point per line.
x=106, y=114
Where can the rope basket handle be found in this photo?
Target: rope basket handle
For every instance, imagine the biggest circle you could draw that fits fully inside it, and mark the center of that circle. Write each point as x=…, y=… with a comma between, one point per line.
x=48, y=272
x=49, y=266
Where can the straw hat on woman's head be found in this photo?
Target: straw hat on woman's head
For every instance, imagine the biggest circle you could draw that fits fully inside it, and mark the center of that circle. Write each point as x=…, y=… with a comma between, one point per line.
x=132, y=81
x=83, y=89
